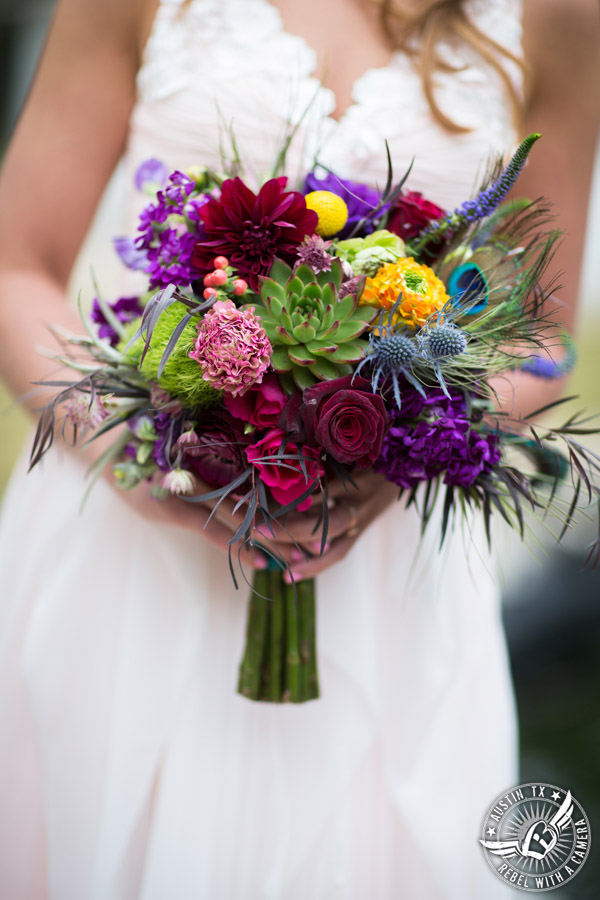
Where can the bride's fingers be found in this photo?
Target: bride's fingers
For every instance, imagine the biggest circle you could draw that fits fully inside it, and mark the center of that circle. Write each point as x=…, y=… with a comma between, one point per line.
x=306, y=528
x=311, y=567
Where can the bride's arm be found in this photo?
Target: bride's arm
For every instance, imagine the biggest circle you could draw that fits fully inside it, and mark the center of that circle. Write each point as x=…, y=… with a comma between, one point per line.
x=66, y=145
x=562, y=48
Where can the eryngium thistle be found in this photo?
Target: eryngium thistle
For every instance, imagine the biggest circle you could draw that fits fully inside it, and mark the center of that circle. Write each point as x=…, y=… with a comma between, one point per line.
x=442, y=341
x=394, y=352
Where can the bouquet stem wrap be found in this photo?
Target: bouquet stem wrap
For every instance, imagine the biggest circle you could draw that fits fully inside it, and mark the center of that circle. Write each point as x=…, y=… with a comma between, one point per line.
x=280, y=658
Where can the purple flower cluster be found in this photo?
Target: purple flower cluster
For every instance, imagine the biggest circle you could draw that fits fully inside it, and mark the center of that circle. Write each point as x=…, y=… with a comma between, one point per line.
x=488, y=200
x=433, y=436
x=360, y=199
x=125, y=308
x=170, y=246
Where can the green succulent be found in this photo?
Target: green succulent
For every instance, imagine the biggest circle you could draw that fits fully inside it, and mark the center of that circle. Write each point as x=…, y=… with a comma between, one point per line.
x=314, y=334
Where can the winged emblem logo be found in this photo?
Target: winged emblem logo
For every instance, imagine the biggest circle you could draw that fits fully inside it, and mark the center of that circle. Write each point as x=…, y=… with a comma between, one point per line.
x=541, y=837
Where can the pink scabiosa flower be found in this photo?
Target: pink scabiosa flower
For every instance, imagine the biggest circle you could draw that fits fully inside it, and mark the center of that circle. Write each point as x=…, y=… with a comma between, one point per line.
x=178, y=481
x=232, y=348
x=85, y=412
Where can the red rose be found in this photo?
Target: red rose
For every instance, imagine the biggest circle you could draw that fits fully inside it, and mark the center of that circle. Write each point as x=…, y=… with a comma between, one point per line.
x=285, y=478
x=347, y=419
x=412, y=214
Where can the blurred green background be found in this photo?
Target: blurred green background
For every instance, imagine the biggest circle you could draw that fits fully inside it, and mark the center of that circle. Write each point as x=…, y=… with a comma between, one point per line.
x=551, y=607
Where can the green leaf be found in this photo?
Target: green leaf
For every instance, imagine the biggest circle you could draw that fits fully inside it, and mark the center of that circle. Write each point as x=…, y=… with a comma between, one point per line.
x=283, y=337
x=281, y=360
x=286, y=319
x=274, y=306
x=304, y=333
x=345, y=307
x=325, y=370
x=322, y=348
x=303, y=377
x=327, y=320
x=349, y=330
x=271, y=288
x=280, y=271
x=363, y=314
x=306, y=274
x=354, y=351
x=334, y=276
x=313, y=291
x=294, y=286
x=329, y=295
x=301, y=355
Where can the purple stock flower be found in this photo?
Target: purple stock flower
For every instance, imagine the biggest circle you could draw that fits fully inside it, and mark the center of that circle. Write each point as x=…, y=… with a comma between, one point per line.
x=167, y=242
x=126, y=309
x=168, y=430
x=360, y=199
x=129, y=254
x=152, y=173
x=440, y=442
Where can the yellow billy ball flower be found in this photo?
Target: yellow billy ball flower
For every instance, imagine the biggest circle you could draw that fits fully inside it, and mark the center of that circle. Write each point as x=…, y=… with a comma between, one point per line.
x=331, y=210
x=418, y=288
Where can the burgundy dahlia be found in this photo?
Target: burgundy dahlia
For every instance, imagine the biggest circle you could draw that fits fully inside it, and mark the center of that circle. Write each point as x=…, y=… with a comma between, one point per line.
x=251, y=229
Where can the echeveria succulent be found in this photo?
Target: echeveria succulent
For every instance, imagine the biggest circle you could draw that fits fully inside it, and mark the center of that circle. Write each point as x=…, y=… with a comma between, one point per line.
x=315, y=335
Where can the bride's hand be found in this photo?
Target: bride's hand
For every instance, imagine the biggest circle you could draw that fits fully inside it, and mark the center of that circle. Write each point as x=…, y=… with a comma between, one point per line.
x=351, y=512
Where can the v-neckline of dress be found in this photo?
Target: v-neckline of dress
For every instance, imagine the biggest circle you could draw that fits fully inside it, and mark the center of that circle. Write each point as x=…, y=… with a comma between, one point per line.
x=338, y=120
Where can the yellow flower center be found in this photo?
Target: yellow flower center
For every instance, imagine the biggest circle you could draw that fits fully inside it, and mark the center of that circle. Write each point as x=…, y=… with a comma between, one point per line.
x=416, y=286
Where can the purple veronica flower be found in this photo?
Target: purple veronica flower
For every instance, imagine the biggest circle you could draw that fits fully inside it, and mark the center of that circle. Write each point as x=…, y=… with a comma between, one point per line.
x=125, y=308
x=360, y=199
x=152, y=173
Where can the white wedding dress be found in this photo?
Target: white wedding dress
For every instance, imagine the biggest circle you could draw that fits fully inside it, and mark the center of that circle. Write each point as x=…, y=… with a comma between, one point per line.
x=129, y=766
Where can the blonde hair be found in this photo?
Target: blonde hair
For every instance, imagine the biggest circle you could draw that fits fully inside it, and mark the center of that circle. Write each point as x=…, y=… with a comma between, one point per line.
x=432, y=22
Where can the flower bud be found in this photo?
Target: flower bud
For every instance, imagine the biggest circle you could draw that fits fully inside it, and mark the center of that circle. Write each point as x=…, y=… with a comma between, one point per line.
x=209, y=293
x=219, y=278
x=208, y=280
x=240, y=287
x=220, y=262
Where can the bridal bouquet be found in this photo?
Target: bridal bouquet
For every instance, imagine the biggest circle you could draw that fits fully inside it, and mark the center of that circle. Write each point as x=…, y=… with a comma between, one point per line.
x=289, y=338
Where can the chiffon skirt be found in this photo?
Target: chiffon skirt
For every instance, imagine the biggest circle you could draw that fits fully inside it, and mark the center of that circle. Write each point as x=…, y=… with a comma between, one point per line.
x=130, y=768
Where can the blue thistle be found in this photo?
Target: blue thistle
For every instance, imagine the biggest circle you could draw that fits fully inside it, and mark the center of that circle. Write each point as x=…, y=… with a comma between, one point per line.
x=489, y=199
x=391, y=353
x=442, y=341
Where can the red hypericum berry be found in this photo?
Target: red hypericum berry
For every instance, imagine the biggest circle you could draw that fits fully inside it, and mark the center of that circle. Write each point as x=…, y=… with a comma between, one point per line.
x=220, y=262
x=219, y=277
x=208, y=280
x=240, y=287
x=209, y=293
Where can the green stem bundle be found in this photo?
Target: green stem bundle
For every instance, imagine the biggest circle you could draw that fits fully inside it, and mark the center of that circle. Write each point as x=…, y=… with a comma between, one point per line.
x=279, y=664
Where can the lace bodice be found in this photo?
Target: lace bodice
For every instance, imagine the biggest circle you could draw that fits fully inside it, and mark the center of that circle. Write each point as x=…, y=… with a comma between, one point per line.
x=215, y=65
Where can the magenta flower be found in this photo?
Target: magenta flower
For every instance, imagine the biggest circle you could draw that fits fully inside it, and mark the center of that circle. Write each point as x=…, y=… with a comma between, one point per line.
x=284, y=476
x=261, y=405
x=232, y=348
